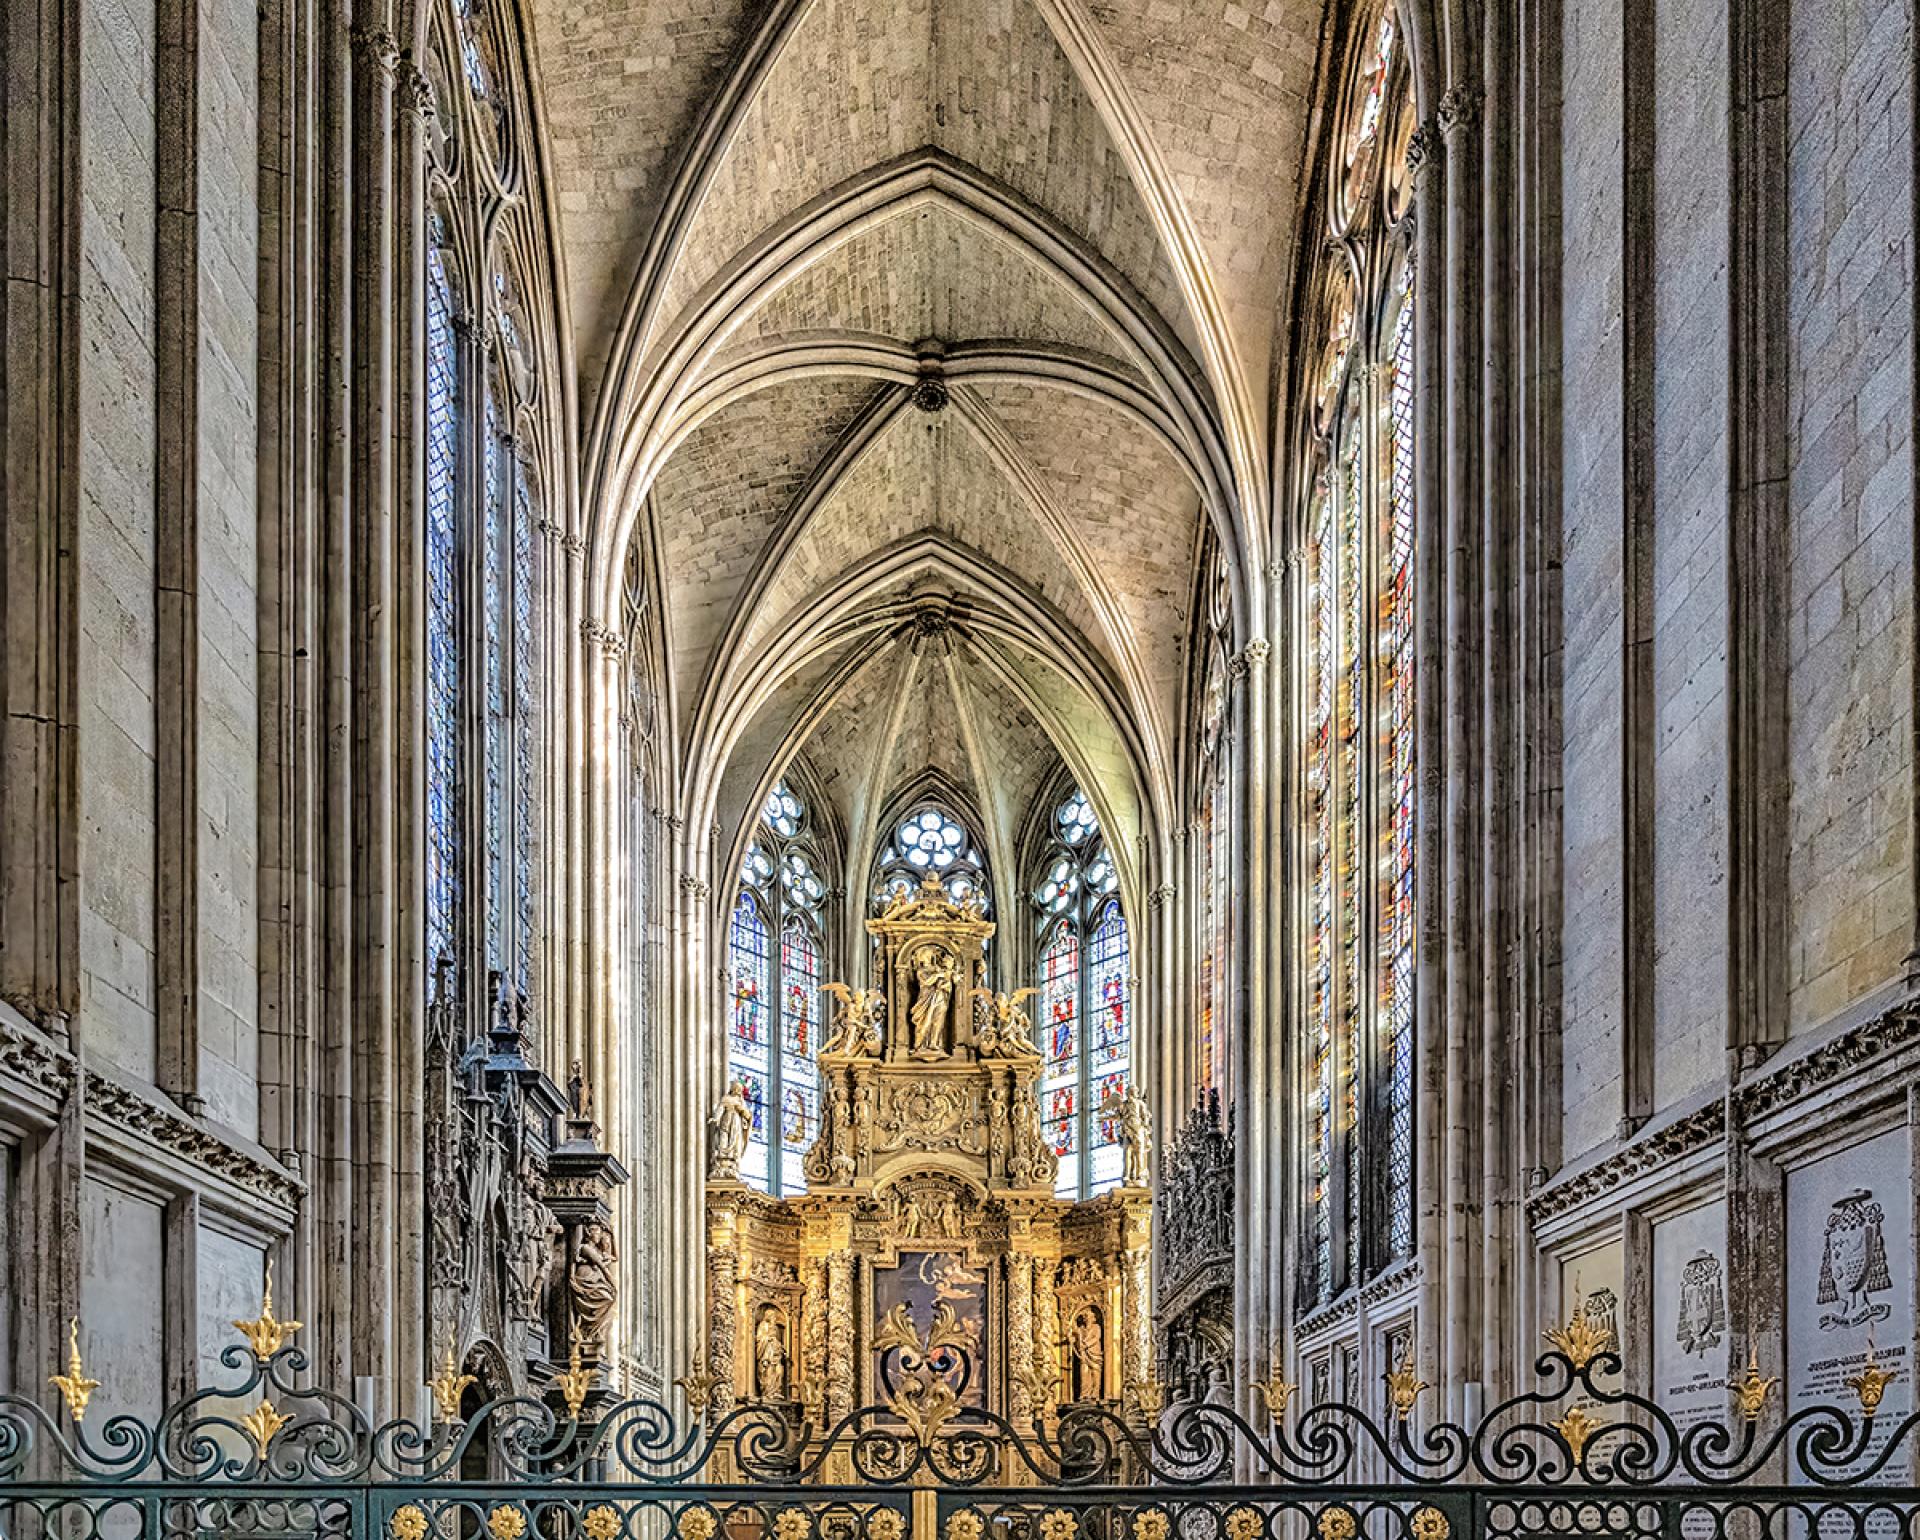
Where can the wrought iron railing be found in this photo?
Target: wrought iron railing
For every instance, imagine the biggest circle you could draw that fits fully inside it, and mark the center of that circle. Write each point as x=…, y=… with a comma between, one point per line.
x=263, y=1453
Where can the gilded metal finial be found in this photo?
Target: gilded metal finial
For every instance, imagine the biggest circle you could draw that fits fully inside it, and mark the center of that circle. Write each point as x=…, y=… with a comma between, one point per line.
x=1750, y=1391
x=446, y=1387
x=74, y=1385
x=265, y=1335
x=1039, y=1386
x=1276, y=1390
x=697, y=1385
x=1870, y=1384
x=1581, y=1339
x=575, y=1380
x=262, y=1423
x=1577, y=1427
x=1149, y=1397
x=1404, y=1386
x=925, y=1401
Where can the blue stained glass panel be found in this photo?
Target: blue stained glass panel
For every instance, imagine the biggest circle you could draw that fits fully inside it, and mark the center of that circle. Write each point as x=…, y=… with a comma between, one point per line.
x=748, y=1050
x=442, y=619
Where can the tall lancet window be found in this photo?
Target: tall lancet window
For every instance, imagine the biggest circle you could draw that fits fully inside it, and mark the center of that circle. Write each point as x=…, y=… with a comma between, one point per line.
x=486, y=375
x=1085, y=1001
x=1356, y=612
x=1211, y=832
x=442, y=778
x=776, y=952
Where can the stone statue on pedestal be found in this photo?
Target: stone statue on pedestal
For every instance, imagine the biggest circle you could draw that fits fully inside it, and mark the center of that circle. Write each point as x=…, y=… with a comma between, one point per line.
x=732, y=1124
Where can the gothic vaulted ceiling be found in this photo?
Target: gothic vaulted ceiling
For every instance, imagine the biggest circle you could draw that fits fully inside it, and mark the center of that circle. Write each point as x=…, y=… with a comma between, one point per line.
x=919, y=341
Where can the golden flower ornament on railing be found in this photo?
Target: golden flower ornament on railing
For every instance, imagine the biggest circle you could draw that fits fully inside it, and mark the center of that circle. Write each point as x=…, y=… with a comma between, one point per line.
x=1059, y=1524
x=408, y=1523
x=602, y=1522
x=1429, y=1523
x=966, y=1525
x=1336, y=1523
x=506, y=1522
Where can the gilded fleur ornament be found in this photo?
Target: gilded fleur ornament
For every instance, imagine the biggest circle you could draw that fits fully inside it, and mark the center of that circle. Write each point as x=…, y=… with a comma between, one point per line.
x=575, y=1380
x=1039, y=1386
x=264, y=1334
x=74, y=1386
x=506, y=1522
x=1149, y=1397
x=408, y=1523
x=1276, y=1391
x=697, y=1385
x=1870, y=1384
x=1581, y=1339
x=447, y=1387
x=1404, y=1386
x=1336, y=1524
x=1750, y=1391
x=1577, y=1427
x=262, y=1423
x=602, y=1522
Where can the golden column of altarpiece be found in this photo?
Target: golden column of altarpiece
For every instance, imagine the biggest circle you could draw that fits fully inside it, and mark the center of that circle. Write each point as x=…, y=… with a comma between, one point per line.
x=929, y=1184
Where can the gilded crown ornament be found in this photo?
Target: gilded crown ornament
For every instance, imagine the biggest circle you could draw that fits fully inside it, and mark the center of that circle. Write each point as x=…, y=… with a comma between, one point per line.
x=264, y=1334
x=1581, y=1339
x=262, y=1423
x=74, y=1386
x=1404, y=1386
x=1871, y=1383
x=447, y=1387
x=1750, y=1391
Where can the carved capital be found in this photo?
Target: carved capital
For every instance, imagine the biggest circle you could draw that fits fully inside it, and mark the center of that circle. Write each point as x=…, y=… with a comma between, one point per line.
x=1459, y=108
x=1160, y=897
x=696, y=887
x=610, y=642
x=1257, y=651
x=413, y=92
x=374, y=48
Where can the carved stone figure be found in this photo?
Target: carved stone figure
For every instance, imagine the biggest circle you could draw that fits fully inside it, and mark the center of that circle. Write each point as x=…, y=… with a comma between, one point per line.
x=594, y=1285
x=1089, y=1347
x=770, y=1355
x=935, y=972
x=1136, y=1139
x=732, y=1124
x=856, y=1026
x=863, y=1120
x=1005, y=1031
x=997, y=1127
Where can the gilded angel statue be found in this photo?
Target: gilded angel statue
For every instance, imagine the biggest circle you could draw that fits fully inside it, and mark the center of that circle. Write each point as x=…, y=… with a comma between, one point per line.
x=856, y=1026
x=1005, y=1032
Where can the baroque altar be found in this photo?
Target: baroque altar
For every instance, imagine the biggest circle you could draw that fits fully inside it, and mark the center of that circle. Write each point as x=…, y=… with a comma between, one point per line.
x=930, y=1208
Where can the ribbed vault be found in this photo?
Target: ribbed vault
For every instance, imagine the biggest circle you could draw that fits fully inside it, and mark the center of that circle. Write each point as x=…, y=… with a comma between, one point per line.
x=919, y=343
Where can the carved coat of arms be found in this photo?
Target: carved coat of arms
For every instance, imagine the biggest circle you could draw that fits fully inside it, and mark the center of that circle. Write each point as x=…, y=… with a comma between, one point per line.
x=1703, y=1305
x=1853, y=1263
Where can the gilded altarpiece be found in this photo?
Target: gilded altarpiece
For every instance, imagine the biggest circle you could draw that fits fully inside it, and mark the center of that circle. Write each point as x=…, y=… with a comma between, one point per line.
x=930, y=1185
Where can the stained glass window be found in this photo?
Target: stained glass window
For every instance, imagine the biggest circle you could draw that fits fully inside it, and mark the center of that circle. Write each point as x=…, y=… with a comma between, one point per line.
x=1357, y=608
x=931, y=841
x=775, y=1029
x=749, y=1061
x=442, y=620
x=1085, y=1014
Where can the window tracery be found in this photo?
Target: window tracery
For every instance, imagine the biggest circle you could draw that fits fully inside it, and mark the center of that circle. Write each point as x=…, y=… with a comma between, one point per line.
x=486, y=425
x=1085, y=1016
x=774, y=1008
x=931, y=840
x=1357, y=708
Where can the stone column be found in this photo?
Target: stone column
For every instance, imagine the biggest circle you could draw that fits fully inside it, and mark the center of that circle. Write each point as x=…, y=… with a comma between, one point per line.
x=840, y=1329
x=1019, y=1332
